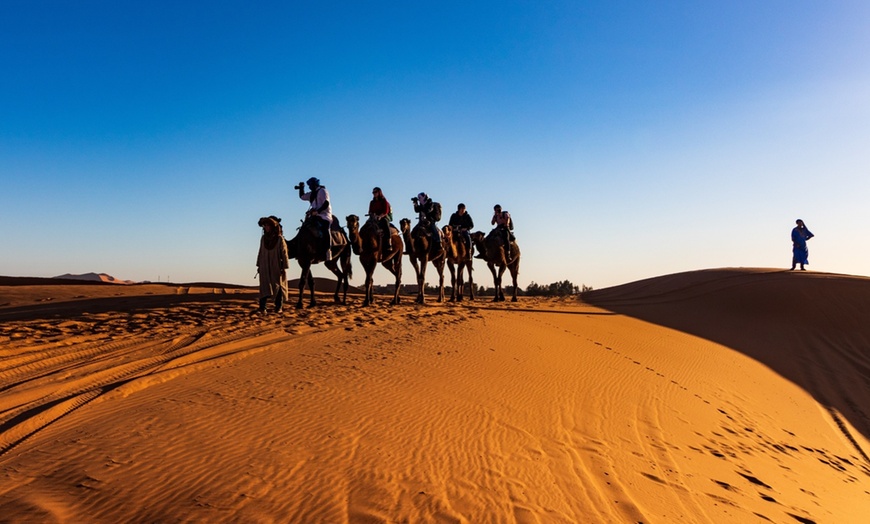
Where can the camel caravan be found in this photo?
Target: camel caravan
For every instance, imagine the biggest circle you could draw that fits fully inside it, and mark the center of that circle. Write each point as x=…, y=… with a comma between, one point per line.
x=321, y=238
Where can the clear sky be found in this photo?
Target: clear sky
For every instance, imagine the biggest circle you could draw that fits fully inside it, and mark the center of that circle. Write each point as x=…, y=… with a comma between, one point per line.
x=628, y=139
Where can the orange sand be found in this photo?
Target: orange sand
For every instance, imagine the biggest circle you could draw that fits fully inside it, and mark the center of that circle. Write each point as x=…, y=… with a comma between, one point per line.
x=712, y=396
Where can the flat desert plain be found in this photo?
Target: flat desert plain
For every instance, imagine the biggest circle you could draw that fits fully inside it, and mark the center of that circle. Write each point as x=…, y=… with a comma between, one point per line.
x=730, y=395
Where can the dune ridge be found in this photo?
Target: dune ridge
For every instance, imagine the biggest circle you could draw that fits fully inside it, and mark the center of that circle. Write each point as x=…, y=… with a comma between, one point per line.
x=540, y=411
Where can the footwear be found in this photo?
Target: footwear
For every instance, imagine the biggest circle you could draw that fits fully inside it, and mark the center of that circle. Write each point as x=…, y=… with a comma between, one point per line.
x=279, y=310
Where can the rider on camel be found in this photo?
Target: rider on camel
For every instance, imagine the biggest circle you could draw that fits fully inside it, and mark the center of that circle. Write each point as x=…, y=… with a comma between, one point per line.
x=319, y=210
x=461, y=221
x=426, y=213
x=381, y=212
x=503, y=225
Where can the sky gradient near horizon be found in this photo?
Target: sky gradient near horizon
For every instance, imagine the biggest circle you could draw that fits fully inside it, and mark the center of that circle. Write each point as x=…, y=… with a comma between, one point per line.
x=628, y=139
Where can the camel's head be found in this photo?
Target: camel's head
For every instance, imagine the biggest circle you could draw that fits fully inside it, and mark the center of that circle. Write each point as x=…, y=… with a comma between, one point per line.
x=448, y=231
x=405, y=225
x=352, y=222
x=477, y=236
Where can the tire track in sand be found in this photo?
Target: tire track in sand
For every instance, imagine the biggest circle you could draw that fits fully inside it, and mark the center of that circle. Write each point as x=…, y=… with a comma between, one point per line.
x=51, y=368
x=33, y=405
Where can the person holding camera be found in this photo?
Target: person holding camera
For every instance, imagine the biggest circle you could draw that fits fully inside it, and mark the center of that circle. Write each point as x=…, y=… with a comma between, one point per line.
x=319, y=210
x=426, y=213
x=504, y=225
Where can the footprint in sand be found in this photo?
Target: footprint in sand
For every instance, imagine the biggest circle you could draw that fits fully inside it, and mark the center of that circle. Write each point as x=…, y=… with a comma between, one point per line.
x=754, y=480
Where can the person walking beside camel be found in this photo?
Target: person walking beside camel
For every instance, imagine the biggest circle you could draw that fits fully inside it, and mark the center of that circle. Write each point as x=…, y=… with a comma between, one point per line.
x=272, y=262
x=800, y=253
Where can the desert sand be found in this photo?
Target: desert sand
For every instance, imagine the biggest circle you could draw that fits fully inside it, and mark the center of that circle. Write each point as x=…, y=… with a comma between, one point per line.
x=733, y=395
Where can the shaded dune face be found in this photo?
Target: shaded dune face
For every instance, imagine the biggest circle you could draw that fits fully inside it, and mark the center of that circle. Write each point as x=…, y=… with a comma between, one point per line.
x=811, y=328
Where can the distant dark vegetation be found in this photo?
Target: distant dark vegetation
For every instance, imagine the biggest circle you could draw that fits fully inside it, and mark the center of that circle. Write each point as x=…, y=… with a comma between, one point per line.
x=556, y=289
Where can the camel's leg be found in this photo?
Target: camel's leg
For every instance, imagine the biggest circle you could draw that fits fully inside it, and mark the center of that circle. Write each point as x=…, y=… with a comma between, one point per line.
x=470, y=281
x=440, y=267
x=369, y=289
x=460, y=281
x=414, y=264
x=395, y=267
x=501, y=283
x=332, y=266
x=499, y=290
x=495, y=282
x=301, y=286
x=369, y=267
x=346, y=271
x=421, y=280
x=311, y=287
x=453, y=281
x=515, y=270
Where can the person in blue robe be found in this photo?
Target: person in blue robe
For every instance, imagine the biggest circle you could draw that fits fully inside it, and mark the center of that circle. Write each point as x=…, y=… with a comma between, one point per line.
x=799, y=236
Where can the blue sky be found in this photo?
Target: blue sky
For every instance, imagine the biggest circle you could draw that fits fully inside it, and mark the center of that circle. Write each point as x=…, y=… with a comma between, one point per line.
x=627, y=139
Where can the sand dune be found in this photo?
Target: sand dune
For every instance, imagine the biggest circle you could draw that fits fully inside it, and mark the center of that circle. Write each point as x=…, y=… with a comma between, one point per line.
x=718, y=396
x=811, y=328
x=94, y=277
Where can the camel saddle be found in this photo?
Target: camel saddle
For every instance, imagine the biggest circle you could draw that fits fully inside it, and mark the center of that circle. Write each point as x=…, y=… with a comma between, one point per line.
x=337, y=238
x=337, y=235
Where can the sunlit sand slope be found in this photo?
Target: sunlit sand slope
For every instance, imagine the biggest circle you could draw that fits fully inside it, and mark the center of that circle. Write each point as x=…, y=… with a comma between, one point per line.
x=811, y=328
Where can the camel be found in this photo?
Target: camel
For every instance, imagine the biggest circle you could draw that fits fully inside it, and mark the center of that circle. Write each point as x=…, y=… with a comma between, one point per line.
x=458, y=260
x=421, y=250
x=494, y=253
x=304, y=248
x=366, y=243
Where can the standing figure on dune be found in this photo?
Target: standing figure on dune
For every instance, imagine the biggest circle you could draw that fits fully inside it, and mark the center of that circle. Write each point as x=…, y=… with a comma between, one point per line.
x=319, y=211
x=800, y=253
x=272, y=263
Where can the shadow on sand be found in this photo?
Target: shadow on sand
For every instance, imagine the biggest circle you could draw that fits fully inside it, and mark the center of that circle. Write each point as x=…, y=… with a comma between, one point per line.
x=811, y=328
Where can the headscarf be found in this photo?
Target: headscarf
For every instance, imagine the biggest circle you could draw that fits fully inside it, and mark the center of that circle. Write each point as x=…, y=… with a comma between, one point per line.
x=271, y=238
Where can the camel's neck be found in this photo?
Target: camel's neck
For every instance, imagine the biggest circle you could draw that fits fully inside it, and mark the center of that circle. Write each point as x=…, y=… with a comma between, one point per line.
x=369, y=240
x=354, y=239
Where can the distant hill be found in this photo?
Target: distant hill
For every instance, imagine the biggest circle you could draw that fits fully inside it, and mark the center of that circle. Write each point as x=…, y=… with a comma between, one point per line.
x=94, y=277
